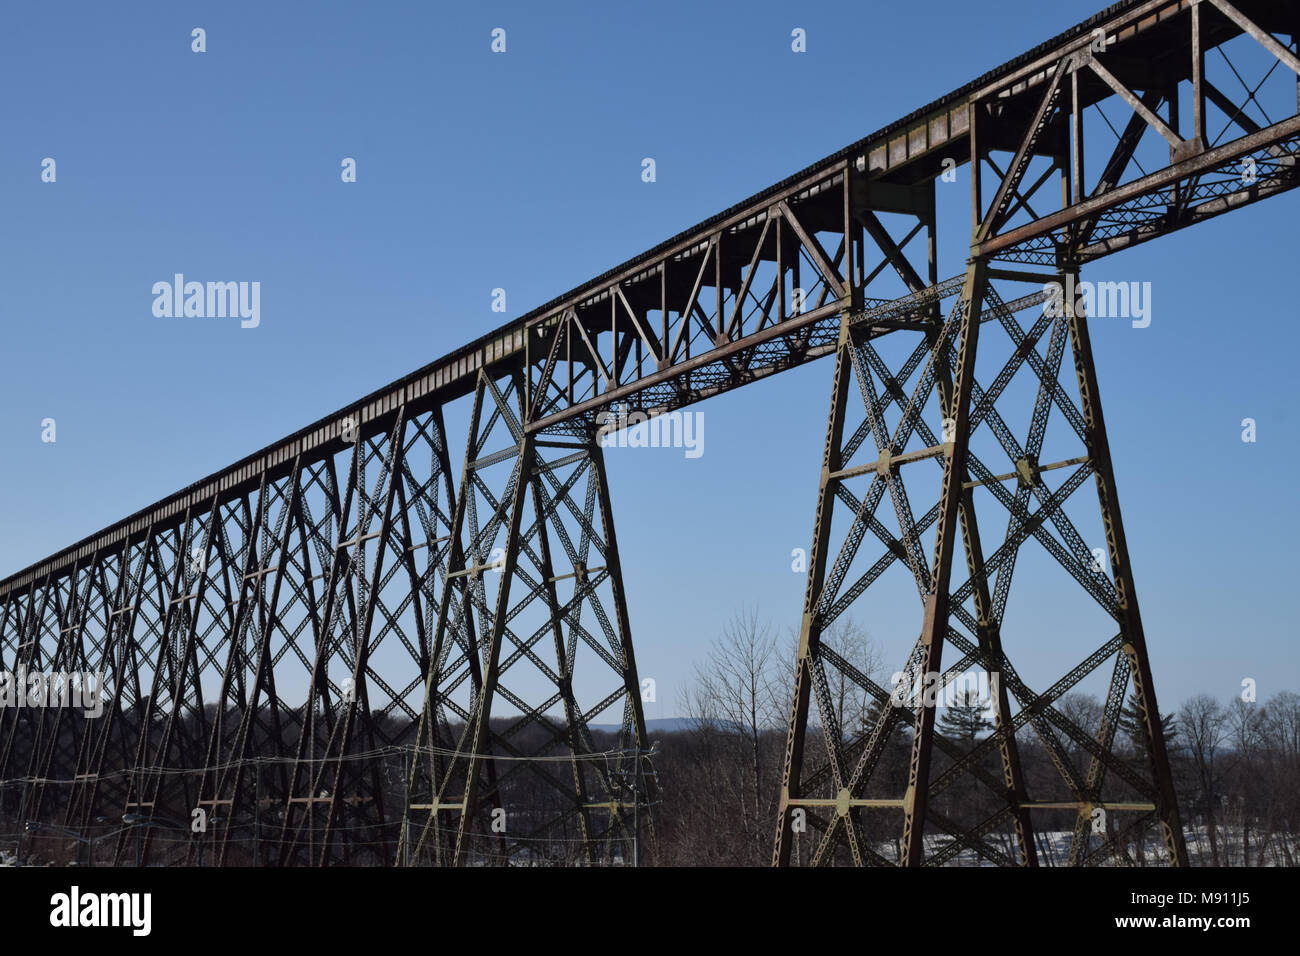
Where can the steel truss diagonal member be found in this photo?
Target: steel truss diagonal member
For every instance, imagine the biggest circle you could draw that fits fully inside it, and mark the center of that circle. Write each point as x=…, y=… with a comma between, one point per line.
x=534, y=618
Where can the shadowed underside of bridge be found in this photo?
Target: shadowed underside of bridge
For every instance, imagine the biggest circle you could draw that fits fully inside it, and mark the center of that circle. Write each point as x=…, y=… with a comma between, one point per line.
x=360, y=646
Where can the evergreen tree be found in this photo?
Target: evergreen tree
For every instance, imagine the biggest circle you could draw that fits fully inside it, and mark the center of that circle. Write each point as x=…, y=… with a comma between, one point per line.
x=965, y=720
x=1134, y=726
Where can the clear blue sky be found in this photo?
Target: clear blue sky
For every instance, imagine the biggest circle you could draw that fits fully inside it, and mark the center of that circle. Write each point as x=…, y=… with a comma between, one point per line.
x=522, y=171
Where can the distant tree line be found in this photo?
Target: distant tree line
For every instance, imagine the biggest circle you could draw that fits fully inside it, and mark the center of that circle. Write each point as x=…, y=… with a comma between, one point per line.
x=715, y=784
x=1236, y=764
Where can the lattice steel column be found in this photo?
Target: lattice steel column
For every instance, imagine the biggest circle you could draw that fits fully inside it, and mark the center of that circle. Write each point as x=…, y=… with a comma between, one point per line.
x=935, y=624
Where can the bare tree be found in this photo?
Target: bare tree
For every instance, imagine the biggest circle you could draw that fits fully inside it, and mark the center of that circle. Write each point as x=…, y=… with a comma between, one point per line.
x=854, y=704
x=736, y=682
x=1205, y=729
x=1281, y=771
x=853, y=701
x=1246, y=727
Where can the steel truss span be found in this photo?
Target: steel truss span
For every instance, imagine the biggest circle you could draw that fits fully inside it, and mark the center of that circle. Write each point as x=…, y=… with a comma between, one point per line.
x=330, y=652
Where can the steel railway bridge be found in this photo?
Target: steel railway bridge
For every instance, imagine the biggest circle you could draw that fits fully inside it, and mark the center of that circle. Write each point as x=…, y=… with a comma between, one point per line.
x=329, y=651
